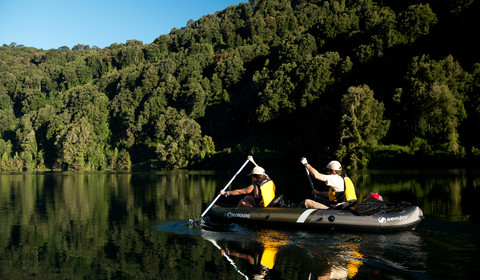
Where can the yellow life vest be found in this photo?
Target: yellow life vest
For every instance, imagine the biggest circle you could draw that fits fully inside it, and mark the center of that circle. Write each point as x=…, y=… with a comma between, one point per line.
x=349, y=191
x=268, y=192
x=331, y=195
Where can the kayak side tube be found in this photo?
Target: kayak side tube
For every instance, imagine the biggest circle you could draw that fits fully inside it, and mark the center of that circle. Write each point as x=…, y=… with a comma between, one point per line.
x=315, y=219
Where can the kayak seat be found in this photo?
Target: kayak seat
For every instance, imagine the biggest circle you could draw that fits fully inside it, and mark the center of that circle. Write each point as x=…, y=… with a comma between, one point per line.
x=279, y=201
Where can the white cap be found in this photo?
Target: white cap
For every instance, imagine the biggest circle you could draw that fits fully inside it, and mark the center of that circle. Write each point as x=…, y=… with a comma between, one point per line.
x=334, y=165
x=257, y=170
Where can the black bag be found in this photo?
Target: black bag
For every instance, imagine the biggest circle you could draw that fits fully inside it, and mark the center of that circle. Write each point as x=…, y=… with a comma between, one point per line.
x=372, y=206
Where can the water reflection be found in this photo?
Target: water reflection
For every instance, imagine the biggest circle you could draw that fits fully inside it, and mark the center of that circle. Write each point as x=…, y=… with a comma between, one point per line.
x=81, y=224
x=133, y=226
x=271, y=254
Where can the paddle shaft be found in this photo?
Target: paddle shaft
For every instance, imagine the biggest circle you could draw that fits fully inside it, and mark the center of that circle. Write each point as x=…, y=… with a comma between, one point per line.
x=218, y=196
x=309, y=179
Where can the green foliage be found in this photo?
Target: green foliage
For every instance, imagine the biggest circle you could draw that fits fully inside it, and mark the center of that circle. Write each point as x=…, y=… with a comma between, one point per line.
x=75, y=142
x=266, y=75
x=434, y=101
x=416, y=21
x=5, y=152
x=276, y=97
x=362, y=125
x=7, y=116
x=318, y=74
x=179, y=140
x=88, y=102
x=121, y=160
x=27, y=143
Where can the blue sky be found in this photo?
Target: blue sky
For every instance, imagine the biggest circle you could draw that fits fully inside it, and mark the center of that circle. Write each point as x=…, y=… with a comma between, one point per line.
x=50, y=24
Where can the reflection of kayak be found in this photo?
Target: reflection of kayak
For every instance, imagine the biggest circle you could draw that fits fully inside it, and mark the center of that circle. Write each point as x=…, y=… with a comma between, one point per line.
x=315, y=219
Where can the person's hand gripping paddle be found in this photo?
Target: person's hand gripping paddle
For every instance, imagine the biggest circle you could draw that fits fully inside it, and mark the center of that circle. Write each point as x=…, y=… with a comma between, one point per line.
x=305, y=163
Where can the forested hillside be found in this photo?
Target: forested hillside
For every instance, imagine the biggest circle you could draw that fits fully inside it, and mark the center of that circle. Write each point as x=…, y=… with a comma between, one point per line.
x=370, y=83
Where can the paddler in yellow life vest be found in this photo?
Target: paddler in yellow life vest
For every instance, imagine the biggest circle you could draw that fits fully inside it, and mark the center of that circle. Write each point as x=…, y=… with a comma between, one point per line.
x=259, y=194
x=333, y=179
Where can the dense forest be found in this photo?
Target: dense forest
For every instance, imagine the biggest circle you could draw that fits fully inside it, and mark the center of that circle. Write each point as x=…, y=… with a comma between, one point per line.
x=370, y=83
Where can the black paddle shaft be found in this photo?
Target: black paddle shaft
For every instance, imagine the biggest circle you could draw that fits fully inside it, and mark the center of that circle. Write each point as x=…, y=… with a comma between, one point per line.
x=310, y=179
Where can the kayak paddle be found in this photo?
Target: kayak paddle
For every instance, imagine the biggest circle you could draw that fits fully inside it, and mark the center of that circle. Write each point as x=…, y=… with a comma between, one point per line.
x=218, y=196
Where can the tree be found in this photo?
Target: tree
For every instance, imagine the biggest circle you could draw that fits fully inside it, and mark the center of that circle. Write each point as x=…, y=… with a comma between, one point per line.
x=97, y=64
x=193, y=98
x=319, y=73
x=33, y=101
x=433, y=101
x=45, y=122
x=362, y=124
x=87, y=101
x=27, y=143
x=68, y=77
x=130, y=54
x=7, y=116
x=5, y=155
x=121, y=160
x=472, y=123
x=123, y=118
x=179, y=140
x=73, y=143
x=416, y=21
x=276, y=98
x=230, y=68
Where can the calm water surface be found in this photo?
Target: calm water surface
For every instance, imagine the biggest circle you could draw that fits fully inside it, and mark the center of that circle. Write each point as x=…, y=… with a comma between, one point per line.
x=135, y=226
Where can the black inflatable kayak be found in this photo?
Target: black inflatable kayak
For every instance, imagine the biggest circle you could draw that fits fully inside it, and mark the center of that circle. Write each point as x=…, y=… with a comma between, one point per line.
x=319, y=220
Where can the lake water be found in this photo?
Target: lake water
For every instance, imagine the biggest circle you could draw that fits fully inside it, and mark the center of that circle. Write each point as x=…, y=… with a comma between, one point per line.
x=60, y=225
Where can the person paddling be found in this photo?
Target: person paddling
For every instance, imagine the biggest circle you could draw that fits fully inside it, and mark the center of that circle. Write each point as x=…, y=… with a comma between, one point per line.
x=333, y=179
x=259, y=194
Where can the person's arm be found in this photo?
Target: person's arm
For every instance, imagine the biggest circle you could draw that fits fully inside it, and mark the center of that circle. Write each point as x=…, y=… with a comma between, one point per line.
x=317, y=175
x=319, y=193
x=246, y=190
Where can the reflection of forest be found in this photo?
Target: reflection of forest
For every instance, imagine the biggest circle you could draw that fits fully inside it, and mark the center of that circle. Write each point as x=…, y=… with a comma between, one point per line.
x=102, y=223
x=92, y=221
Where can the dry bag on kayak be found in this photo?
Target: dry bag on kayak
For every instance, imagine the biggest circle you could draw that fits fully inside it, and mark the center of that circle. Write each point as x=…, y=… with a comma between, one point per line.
x=372, y=206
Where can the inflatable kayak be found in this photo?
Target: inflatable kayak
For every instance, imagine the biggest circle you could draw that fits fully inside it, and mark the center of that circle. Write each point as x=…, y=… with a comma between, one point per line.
x=318, y=220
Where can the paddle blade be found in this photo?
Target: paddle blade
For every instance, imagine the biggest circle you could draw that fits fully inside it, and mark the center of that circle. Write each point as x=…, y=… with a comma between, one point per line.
x=198, y=222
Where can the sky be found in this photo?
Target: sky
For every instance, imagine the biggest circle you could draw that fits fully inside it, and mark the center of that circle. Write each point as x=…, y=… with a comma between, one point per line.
x=50, y=24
